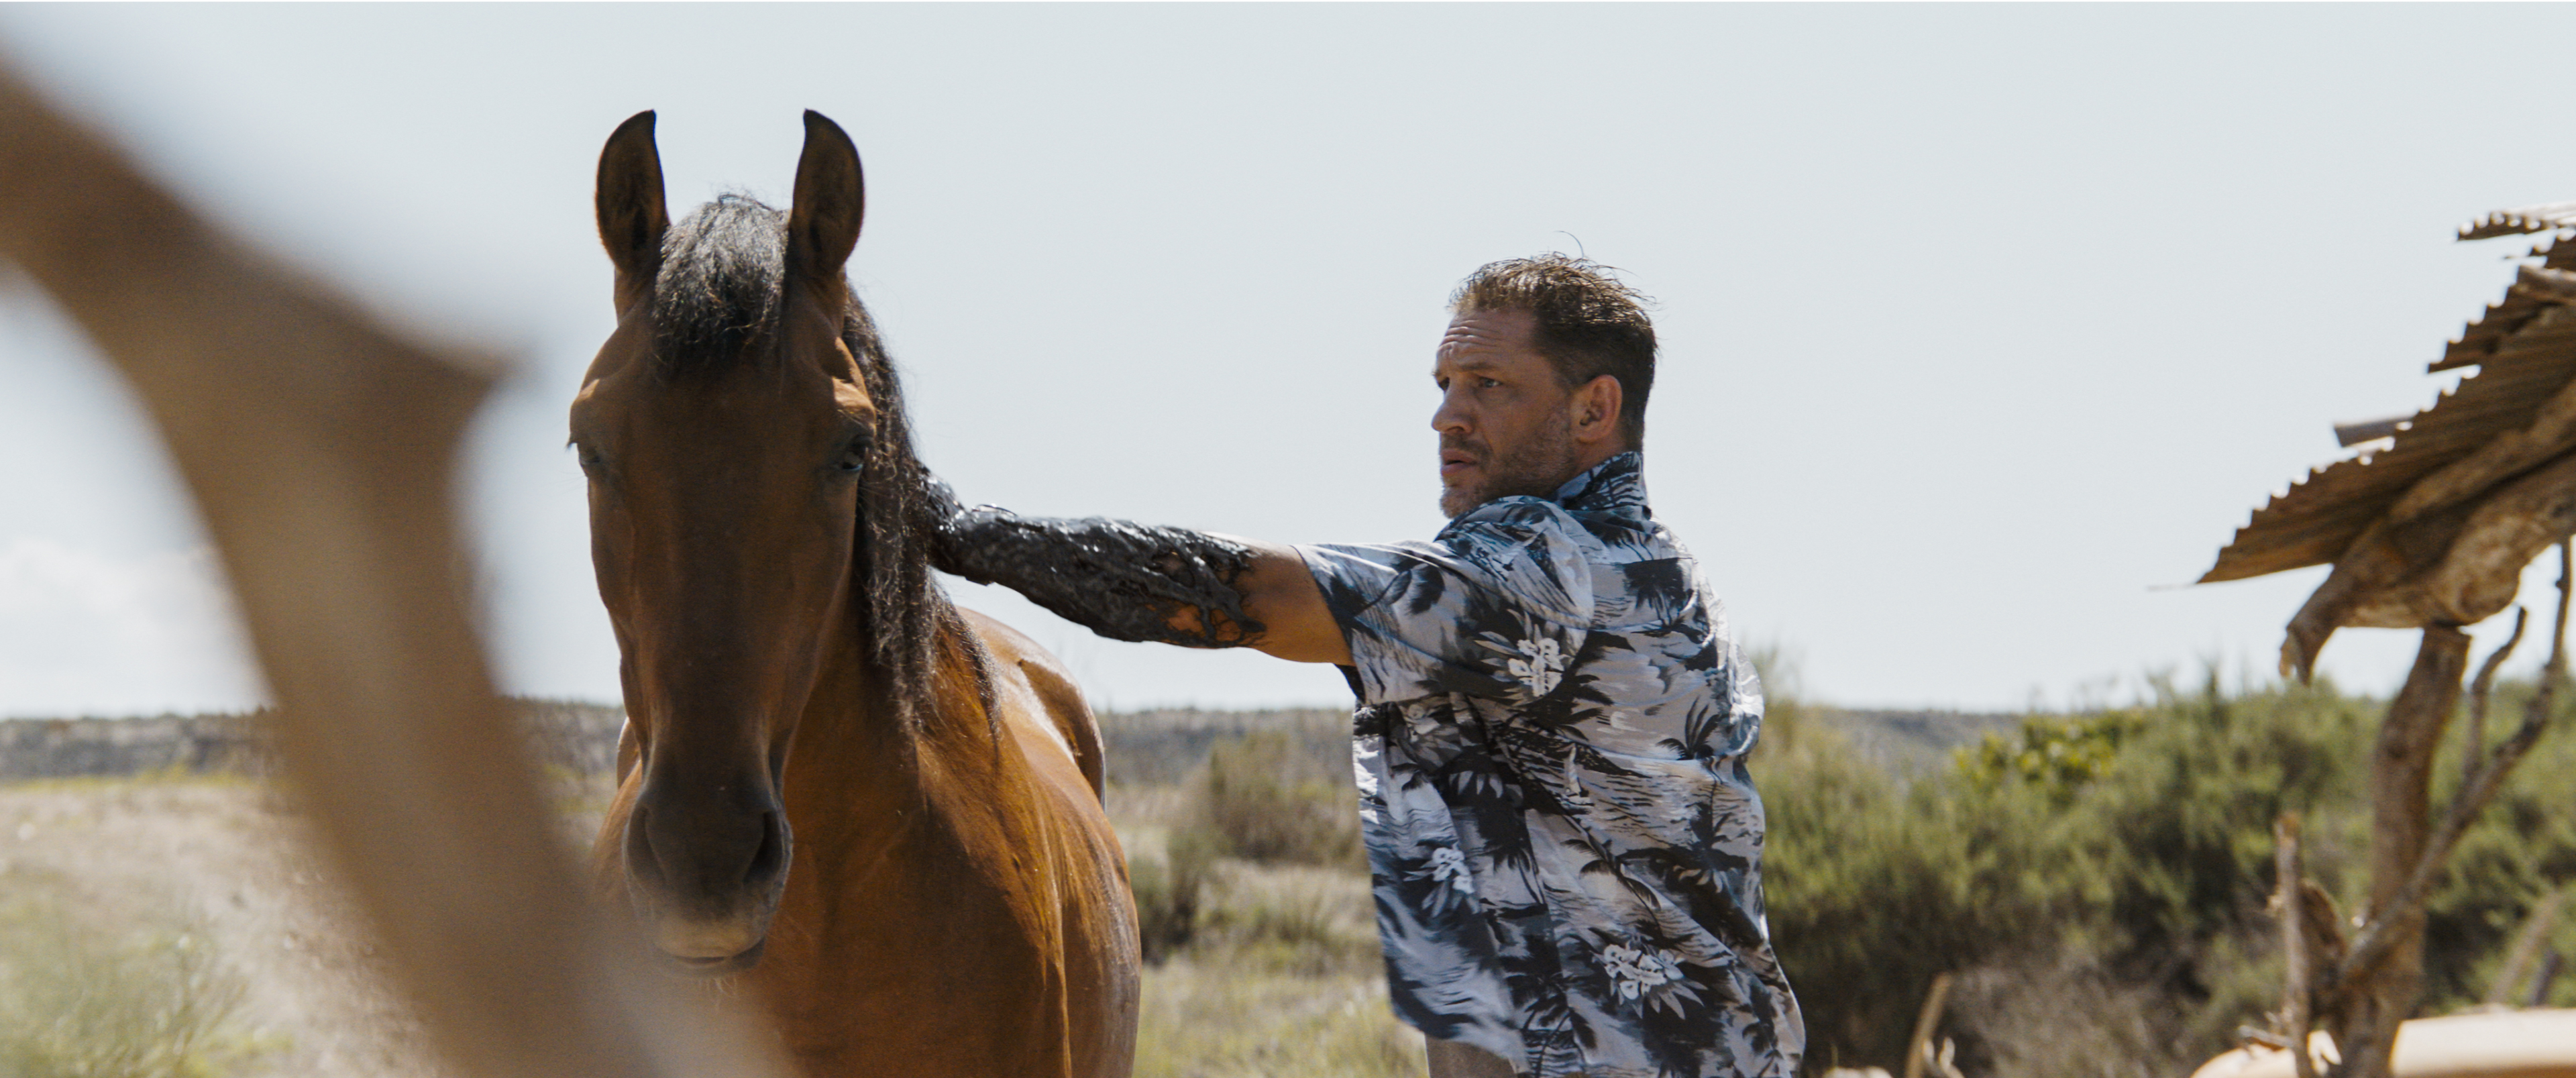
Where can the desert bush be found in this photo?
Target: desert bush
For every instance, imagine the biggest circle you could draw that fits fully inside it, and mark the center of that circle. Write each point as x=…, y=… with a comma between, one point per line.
x=2060, y=756
x=2099, y=881
x=1281, y=980
x=1253, y=900
x=1785, y=717
x=1296, y=920
x=2524, y=849
x=1874, y=887
x=79, y=1001
x=1170, y=890
x=1168, y=746
x=1259, y=798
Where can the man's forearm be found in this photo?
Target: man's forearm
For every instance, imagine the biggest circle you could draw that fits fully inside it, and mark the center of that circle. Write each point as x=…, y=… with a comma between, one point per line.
x=1124, y=581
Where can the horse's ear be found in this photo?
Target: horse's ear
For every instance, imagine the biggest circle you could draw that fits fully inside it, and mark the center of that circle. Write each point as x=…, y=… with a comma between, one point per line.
x=631, y=215
x=831, y=197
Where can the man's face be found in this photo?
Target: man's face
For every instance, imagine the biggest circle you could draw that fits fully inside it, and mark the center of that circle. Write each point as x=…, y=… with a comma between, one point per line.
x=1504, y=420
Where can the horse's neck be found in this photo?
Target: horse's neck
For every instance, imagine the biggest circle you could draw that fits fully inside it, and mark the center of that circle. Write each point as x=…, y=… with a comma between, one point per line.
x=858, y=742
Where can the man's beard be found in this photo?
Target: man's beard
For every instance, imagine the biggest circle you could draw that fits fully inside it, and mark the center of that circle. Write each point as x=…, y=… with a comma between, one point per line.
x=1536, y=467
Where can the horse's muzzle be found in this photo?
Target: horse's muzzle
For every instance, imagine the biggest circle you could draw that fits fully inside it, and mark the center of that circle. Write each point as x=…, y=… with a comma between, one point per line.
x=713, y=967
x=704, y=885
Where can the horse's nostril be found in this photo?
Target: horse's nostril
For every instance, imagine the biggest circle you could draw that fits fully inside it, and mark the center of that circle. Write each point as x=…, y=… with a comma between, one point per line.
x=698, y=860
x=641, y=864
x=770, y=861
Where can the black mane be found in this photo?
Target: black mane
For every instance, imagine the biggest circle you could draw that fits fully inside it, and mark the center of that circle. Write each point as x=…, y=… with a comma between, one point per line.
x=717, y=293
x=719, y=285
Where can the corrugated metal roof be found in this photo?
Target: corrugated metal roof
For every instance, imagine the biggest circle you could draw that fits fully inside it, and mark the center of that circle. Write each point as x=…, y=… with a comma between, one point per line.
x=2479, y=433
x=2544, y=218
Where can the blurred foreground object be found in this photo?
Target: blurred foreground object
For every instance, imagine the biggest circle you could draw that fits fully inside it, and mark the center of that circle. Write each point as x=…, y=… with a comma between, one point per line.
x=319, y=449
x=2432, y=533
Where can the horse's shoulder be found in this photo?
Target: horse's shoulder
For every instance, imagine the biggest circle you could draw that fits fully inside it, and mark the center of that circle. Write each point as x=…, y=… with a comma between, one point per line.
x=1021, y=664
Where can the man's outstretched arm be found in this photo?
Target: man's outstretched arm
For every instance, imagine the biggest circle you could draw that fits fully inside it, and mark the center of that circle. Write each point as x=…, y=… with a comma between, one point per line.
x=1131, y=581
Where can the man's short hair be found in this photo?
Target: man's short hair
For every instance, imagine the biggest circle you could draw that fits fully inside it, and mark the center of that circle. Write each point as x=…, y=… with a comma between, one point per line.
x=1589, y=323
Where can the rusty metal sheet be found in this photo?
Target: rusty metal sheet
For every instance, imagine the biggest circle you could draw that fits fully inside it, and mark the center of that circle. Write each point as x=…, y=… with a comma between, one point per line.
x=2524, y=349
x=2515, y=222
x=2532, y=314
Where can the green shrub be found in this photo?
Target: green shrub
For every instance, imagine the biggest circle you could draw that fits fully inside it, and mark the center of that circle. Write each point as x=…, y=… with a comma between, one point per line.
x=2523, y=849
x=2098, y=883
x=1874, y=888
x=1300, y=921
x=1260, y=799
x=2059, y=756
x=1170, y=892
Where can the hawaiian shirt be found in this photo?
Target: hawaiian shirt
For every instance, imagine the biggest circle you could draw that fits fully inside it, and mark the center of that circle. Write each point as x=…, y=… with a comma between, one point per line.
x=1550, y=744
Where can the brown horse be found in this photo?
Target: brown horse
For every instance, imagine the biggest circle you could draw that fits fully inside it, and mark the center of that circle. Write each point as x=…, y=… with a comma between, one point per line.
x=958, y=904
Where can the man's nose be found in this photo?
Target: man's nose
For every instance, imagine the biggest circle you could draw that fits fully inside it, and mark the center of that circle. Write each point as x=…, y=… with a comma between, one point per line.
x=1451, y=416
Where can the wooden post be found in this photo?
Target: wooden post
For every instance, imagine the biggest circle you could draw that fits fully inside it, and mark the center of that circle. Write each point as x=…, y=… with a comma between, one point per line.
x=2298, y=979
x=1918, y=1049
x=2473, y=748
x=2384, y=964
x=2401, y=775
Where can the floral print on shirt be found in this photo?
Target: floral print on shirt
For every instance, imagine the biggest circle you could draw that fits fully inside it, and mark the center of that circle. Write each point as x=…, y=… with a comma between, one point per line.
x=1565, y=845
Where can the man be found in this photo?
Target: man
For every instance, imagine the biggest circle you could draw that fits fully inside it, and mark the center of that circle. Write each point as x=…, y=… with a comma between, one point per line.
x=1552, y=726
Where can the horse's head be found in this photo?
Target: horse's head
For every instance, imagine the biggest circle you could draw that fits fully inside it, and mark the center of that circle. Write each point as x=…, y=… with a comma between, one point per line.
x=734, y=429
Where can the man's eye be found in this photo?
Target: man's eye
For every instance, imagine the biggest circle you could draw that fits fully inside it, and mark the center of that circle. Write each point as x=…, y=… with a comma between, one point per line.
x=1488, y=383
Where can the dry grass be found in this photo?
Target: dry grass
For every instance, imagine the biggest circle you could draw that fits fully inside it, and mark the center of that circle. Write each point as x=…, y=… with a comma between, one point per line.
x=1262, y=940
x=83, y=996
x=140, y=900
x=1206, y=1019
x=1273, y=970
x=1281, y=980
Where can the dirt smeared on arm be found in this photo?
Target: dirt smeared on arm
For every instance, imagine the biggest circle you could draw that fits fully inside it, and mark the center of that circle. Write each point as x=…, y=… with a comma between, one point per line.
x=1123, y=580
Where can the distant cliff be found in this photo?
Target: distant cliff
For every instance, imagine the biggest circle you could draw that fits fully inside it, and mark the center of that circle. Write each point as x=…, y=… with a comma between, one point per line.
x=1146, y=748
x=576, y=736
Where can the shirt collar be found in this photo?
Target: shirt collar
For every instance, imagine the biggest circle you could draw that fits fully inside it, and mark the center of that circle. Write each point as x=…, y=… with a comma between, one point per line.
x=1616, y=485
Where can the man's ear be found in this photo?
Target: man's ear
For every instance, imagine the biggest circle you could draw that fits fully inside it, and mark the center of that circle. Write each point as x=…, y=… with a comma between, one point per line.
x=1596, y=408
x=831, y=199
x=631, y=215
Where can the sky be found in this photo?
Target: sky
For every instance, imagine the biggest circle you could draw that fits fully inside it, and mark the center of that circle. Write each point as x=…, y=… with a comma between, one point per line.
x=1983, y=327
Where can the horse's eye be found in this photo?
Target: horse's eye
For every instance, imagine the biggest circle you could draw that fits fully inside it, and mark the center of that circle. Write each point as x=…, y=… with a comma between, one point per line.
x=591, y=462
x=854, y=458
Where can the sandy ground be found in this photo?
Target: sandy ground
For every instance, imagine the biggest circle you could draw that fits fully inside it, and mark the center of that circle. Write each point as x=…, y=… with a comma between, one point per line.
x=227, y=855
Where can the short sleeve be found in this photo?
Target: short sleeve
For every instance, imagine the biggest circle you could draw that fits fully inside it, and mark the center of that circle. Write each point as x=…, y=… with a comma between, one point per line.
x=1494, y=606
